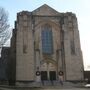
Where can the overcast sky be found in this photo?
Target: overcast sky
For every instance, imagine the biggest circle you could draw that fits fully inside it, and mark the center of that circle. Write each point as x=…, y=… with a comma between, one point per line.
x=80, y=7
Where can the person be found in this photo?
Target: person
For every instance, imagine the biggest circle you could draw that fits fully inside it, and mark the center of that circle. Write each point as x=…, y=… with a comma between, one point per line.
x=61, y=80
x=86, y=80
x=42, y=82
x=52, y=81
x=61, y=77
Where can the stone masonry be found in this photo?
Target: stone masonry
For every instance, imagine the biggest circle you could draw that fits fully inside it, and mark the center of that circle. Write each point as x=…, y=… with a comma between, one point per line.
x=31, y=62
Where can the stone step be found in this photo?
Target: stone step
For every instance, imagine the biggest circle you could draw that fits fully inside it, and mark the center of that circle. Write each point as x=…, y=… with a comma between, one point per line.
x=48, y=83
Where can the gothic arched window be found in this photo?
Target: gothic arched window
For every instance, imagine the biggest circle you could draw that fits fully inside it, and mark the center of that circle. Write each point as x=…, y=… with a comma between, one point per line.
x=47, y=40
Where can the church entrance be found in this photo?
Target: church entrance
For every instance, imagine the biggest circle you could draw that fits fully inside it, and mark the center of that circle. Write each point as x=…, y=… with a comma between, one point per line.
x=51, y=75
x=48, y=71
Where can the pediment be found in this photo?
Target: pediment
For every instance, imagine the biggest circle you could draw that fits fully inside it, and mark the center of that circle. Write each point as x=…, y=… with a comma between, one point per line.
x=45, y=10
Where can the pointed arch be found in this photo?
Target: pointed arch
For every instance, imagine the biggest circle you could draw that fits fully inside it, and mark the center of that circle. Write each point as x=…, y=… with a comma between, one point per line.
x=47, y=39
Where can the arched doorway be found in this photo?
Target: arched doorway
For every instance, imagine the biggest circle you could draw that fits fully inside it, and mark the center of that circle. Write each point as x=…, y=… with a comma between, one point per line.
x=48, y=70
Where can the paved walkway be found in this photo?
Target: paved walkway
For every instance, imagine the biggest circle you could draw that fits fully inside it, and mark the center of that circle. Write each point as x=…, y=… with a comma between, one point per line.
x=46, y=88
x=67, y=87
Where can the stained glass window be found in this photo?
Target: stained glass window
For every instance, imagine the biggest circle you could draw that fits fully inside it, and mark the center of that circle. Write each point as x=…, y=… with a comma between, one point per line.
x=47, y=42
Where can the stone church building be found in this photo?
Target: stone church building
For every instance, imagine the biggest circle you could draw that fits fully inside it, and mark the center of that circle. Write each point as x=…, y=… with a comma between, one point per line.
x=46, y=45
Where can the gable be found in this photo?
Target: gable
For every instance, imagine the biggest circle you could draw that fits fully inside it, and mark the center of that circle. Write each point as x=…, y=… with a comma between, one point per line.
x=45, y=10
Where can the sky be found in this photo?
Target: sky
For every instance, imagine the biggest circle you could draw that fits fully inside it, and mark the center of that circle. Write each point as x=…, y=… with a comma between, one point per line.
x=80, y=7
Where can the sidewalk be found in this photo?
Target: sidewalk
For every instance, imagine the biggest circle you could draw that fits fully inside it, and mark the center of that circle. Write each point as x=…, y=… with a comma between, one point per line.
x=66, y=86
x=45, y=88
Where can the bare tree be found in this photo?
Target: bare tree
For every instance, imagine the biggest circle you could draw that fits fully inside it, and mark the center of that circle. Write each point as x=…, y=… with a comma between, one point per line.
x=4, y=27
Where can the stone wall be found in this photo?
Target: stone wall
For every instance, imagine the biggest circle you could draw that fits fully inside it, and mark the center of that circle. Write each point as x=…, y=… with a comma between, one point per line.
x=24, y=48
x=67, y=55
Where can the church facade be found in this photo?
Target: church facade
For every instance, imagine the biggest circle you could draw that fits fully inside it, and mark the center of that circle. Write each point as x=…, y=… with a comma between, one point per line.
x=45, y=45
